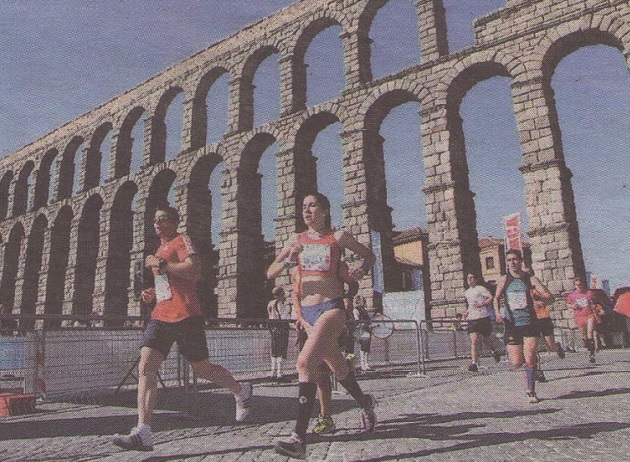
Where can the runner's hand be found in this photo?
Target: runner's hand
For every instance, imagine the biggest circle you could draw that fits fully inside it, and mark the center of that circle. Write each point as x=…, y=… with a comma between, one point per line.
x=148, y=295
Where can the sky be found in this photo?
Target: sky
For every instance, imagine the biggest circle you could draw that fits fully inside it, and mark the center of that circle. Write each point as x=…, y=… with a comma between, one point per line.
x=59, y=59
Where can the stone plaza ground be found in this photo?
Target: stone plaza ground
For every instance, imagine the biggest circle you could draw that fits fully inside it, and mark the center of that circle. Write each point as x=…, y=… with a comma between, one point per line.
x=449, y=415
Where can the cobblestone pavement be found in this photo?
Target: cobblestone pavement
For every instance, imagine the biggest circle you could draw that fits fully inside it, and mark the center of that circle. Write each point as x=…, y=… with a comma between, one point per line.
x=448, y=415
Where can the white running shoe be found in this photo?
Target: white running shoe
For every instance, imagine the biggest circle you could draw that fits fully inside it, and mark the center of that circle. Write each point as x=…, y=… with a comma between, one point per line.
x=243, y=401
x=135, y=441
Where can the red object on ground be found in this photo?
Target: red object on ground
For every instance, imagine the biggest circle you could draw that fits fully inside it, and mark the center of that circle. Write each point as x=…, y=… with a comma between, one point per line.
x=16, y=403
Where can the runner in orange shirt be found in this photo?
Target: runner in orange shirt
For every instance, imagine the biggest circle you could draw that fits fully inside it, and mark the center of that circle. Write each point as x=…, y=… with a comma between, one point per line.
x=177, y=317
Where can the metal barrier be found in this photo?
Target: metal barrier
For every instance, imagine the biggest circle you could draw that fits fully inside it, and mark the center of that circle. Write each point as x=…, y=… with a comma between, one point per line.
x=66, y=363
x=58, y=363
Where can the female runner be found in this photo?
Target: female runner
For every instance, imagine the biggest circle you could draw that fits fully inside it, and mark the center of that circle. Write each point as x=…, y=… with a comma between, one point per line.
x=317, y=254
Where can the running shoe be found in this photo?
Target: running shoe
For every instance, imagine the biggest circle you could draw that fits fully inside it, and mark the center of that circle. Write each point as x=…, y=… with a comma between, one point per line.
x=540, y=376
x=368, y=416
x=293, y=446
x=324, y=425
x=591, y=358
x=134, y=441
x=560, y=352
x=532, y=398
x=244, y=401
x=497, y=356
x=473, y=368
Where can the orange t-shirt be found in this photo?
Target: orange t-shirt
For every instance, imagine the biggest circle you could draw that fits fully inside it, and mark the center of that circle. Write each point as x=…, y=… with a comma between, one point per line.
x=176, y=298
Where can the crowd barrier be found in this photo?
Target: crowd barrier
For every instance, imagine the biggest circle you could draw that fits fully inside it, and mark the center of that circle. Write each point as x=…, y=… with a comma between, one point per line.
x=65, y=363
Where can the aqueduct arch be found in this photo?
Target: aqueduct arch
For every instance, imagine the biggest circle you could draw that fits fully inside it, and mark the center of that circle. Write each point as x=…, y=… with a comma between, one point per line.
x=512, y=41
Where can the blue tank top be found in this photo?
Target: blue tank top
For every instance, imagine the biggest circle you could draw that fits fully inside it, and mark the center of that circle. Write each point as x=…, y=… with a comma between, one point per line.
x=519, y=305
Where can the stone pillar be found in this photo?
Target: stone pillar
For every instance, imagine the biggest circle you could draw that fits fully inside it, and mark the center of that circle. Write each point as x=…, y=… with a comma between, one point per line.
x=40, y=306
x=90, y=169
x=453, y=244
x=187, y=141
x=101, y=261
x=293, y=85
x=11, y=196
x=68, y=297
x=154, y=146
x=241, y=110
x=114, y=150
x=3, y=249
x=135, y=307
x=32, y=188
x=228, y=252
x=356, y=209
x=120, y=164
x=356, y=53
x=553, y=228
x=19, y=279
x=432, y=25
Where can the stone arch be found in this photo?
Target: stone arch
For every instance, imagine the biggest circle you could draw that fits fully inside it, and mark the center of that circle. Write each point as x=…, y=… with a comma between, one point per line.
x=573, y=41
x=11, y=264
x=65, y=178
x=246, y=93
x=413, y=89
x=379, y=211
x=298, y=57
x=199, y=123
x=198, y=226
x=364, y=24
x=158, y=125
x=465, y=213
x=317, y=23
x=87, y=254
x=124, y=145
x=5, y=187
x=305, y=162
x=32, y=265
x=118, y=265
x=43, y=180
x=22, y=186
x=57, y=265
x=312, y=114
x=92, y=171
x=597, y=30
x=553, y=52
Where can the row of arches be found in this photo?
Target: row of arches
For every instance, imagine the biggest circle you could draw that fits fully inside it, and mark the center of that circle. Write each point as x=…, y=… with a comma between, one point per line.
x=236, y=270
x=179, y=117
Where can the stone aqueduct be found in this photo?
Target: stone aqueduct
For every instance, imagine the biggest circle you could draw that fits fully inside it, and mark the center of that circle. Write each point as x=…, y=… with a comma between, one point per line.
x=71, y=248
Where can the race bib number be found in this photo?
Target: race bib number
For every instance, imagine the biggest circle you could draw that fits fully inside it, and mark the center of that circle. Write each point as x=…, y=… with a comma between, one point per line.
x=582, y=302
x=315, y=257
x=517, y=300
x=162, y=288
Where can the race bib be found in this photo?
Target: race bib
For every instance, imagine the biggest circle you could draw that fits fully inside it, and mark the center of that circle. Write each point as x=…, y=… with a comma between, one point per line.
x=162, y=288
x=315, y=257
x=517, y=300
x=582, y=302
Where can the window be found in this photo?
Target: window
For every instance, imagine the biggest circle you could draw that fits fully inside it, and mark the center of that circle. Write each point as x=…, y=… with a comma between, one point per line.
x=489, y=263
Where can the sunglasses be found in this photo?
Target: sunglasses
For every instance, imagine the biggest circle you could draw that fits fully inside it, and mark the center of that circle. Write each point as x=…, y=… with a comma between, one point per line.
x=162, y=220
